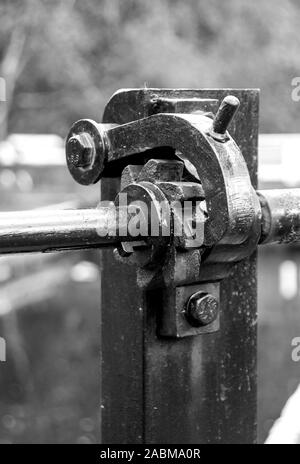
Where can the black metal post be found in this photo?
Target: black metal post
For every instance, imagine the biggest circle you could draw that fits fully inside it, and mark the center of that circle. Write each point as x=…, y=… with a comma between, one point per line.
x=199, y=389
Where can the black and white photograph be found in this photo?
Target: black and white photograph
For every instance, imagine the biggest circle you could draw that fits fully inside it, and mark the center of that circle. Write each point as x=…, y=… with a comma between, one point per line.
x=149, y=226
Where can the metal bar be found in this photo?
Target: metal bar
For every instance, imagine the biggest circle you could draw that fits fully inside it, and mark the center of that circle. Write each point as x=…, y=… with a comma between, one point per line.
x=53, y=230
x=48, y=230
x=280, y=215
x=195, y=390
x=122, y=316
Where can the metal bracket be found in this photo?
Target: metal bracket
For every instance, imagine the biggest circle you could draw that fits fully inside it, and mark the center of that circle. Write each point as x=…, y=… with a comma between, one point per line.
x=185, y=127
x=176, y=320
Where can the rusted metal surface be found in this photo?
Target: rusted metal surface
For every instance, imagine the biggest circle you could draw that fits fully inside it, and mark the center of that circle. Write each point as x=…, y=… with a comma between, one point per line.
x=122, y=353
x=231, y=204
x=232, y=226
x=202, y=309
x=81, y=150
x=196, y=389
x=159, y=104
x=224, y=116
x=49, y=229
x=174, y=317
x=86, y=144
x=179, y=334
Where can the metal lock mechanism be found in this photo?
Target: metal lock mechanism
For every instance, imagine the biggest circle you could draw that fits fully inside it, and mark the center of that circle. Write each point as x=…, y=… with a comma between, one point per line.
x=175, y=147
x=190, y=213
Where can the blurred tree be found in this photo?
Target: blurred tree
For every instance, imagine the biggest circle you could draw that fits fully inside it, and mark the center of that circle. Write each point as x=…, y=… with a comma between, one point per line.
x=13, y=59
x=64, y=58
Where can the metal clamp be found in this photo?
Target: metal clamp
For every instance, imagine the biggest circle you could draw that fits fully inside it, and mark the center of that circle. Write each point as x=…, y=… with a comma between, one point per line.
x=168, y=147
x=202, y=163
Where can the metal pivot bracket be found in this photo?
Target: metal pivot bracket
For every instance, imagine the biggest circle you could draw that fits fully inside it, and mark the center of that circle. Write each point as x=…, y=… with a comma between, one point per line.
x=194, y=389
x=178, y=327
x=178, y=149
x=170, y=154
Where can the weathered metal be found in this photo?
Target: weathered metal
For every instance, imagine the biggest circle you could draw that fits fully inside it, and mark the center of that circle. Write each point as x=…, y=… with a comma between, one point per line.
x=224, y=116
x=174, y=321
x=179, y=329
x=280, y=215
x=54, y=230
x=194, y=389
x=81, y=149
x=85, y=132
x=231, y=202
x=202, y=309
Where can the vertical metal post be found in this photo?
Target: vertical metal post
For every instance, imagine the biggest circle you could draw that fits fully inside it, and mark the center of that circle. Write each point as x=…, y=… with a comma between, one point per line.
x=198, y=389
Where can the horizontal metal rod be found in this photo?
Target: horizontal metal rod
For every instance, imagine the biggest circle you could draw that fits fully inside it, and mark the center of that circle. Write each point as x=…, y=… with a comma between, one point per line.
x=46, y=230
x=51, y=230
x=280, y=215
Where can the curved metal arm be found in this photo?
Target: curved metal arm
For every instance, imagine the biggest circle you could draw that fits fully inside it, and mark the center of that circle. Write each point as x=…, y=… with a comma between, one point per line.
x=233, y=209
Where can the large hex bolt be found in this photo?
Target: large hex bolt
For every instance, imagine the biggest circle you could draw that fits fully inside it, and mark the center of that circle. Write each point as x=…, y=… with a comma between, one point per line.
x=86, y=151
x=202, y=309
x=81, y=150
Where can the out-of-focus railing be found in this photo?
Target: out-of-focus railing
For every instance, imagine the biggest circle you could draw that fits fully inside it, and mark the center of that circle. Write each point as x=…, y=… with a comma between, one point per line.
x=279, y=160
x=278, y=288
x=33, y=174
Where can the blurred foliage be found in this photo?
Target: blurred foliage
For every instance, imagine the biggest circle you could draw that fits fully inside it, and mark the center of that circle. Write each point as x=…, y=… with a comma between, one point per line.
x=64, y=58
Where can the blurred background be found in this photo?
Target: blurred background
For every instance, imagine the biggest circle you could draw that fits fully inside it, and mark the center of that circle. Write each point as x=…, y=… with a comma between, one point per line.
x=62, y=60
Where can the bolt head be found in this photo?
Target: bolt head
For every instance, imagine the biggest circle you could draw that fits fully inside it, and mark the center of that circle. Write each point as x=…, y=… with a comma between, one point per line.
x=87, y=151
x=80, y=150
x=202, y=309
